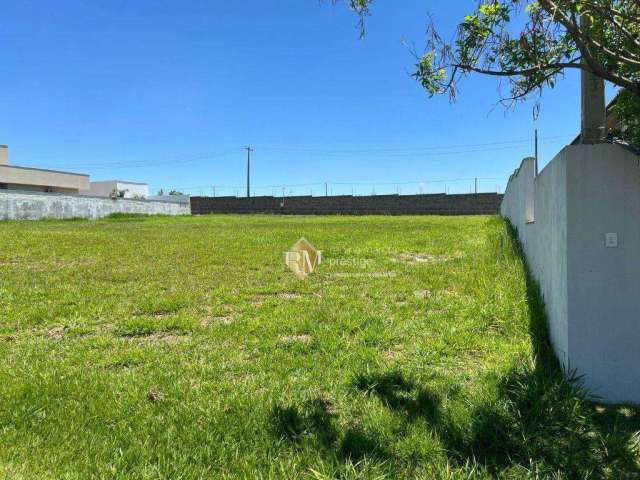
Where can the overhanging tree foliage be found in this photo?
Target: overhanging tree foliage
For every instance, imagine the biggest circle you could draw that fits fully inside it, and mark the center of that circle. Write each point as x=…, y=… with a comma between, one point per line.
x=531, y=43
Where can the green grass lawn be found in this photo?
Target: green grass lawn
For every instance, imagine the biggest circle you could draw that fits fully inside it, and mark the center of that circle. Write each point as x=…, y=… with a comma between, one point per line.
x=182, y=348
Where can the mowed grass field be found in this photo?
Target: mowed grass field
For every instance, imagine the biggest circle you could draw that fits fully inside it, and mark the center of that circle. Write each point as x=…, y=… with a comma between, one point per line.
x=182, y=348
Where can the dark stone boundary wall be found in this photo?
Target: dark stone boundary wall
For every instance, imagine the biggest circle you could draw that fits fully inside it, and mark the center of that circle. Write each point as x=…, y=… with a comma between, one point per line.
x=436, y=204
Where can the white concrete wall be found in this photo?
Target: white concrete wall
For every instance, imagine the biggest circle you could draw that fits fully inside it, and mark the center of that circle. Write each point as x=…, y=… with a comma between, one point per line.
x=604, y=289
x=590, y=291
x=544, y=239
x=134, y=190
x=106, y=188
x=35, y=206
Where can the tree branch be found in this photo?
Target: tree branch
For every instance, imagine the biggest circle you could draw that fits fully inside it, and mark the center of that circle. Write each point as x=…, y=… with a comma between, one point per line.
x=524, y=71
x=584, y=43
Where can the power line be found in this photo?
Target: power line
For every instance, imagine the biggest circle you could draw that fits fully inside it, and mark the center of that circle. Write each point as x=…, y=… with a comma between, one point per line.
x=437, y=150
x=335, y=154
x=413, y=149
x=426, y=154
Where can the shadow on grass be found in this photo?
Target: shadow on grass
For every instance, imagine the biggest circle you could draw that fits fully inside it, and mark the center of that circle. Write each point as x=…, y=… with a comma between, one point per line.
x=401, y=394
x=542, y=415
x=537, y=422
x=314, y=423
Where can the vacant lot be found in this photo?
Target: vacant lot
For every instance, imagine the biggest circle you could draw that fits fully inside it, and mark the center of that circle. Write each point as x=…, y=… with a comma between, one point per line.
x=138, y=348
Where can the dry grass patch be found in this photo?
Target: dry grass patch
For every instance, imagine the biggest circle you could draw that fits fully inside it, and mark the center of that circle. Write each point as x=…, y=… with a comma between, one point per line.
x=422, y=293
x=288, y=295
x=304, y=338
x=216, y=320
x=428, y=258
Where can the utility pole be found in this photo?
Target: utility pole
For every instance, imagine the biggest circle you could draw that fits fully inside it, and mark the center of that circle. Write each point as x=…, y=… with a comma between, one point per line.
x=326, y=189
x=476, y=185
x=249, y=150
x=536, y=156
x=214, y=191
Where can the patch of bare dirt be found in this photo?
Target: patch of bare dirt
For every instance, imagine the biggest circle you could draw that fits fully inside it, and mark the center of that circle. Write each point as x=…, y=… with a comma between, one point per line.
x=304, y=338
x=105, y=328
x=288, y=295
x=363, y=275
x=428, y=258
x=327, y=404
x=394, y=352
x=155, y=396
x=216, y=320
x=422, y=293
x=46, y=265
x=56, y=333
x=159, y=337
x=450, y=291
x=438, y=310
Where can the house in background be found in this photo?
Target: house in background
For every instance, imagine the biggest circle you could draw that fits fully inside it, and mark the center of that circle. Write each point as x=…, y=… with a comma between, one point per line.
x=120, y=188
x=37, y=179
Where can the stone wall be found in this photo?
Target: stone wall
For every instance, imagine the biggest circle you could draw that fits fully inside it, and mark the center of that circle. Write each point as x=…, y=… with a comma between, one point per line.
x=438, y=204
x=16, y=205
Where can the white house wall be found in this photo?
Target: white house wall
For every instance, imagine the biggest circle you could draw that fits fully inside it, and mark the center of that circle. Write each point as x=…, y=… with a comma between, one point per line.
x=134, y=190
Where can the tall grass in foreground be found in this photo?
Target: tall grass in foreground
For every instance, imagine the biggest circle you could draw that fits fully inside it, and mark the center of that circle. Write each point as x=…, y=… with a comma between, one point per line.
x=534, y=421
x=181, y=348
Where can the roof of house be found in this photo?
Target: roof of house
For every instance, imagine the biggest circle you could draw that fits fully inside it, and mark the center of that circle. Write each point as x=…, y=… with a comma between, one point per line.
x=44, y=170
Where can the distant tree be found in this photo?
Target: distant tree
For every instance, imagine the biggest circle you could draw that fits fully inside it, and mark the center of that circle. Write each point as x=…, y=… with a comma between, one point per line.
x=160, y=192
x=175, y=192
x=627, y=108
x=530, y=43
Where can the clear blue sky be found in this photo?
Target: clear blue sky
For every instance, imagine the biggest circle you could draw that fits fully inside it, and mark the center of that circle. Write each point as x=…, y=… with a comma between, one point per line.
x=168, y=92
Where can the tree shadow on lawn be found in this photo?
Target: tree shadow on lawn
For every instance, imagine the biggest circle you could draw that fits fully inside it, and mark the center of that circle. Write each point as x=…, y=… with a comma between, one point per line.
x=313, y=423
x=537, y=421
x=542, y=418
